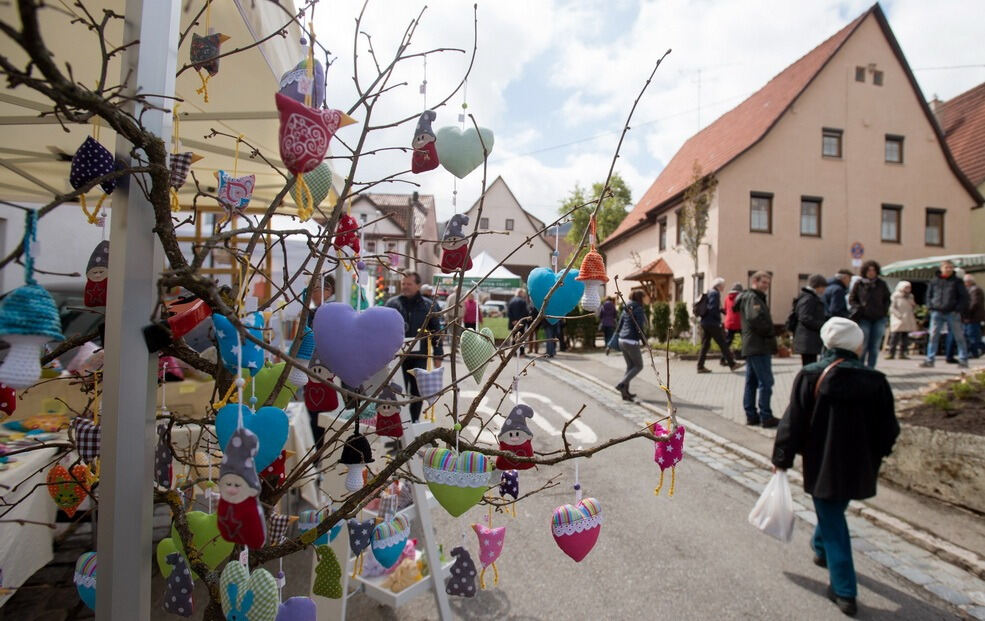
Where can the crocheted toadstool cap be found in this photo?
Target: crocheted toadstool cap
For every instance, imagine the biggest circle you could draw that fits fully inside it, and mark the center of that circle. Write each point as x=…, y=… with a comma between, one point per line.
x=592, y=267
x=30, y=310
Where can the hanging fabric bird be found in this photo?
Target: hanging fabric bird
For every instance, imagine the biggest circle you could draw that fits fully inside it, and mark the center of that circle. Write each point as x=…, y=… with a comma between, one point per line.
x=304, y=136
x=347, y=233
x=181, y=164
x=668, y=454
x=490, y=547
x=204, y=55
x=91, y=161
x=240, y=514
x=425, y=156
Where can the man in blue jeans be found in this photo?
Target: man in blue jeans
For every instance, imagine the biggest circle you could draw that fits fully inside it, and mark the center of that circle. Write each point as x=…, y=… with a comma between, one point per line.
x=758, y=347
x=947, y=298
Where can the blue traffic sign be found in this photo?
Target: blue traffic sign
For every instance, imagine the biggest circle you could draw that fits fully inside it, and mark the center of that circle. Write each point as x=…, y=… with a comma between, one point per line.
x=858, y=250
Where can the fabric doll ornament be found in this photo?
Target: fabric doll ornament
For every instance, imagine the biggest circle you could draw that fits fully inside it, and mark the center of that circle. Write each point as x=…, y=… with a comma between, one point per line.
x=328, y=574
x=69, y=488
x=297, y=609
x=516, y=438
x=388, y=421
x=389, y=540
x=204, y=54
x=178, y=592
x=360, y=536
x=668, y=454
x=90, y=162
x=429, y=383
x=490, y=547
x=85, y=579
x=356, y=453
x=8, y=399
x=97, y=271
x=234, y=192
x=457, y=482
x=304, y=136
x=347, y=233
x=461, y=152
x=296, y=84
x=246, y=596
x=87, y=437
x=320, y=396
x=425, y=156
x=454, y=246
x=462, y=573
x=240, y=513
x=576, y=527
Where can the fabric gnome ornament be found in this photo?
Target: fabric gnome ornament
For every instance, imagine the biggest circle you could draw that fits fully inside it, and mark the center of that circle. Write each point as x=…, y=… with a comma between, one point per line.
x=320, y=396
x=388, y=416
x=163, y=458
x=516, y=438
x=462, y=574
x=240, y=514
x=425, y=156
x=454, y=246
x=97, y=271
x=356, y=454
x=178, y=592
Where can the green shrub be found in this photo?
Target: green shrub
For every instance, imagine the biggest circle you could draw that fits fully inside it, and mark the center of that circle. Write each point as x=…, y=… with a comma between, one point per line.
x=939, y=400
x=682, y=319
x=661, y=321
x=584, y=327
x=964, y=390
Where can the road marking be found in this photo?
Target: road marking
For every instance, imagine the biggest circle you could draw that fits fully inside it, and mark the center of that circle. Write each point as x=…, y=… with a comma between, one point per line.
x=578, y=432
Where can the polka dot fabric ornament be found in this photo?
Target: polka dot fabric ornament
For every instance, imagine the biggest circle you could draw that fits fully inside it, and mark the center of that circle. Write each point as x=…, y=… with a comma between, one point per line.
x=68, y=488
x=490, y=547
x=461, y=581
x=668, y=454
x=328, y=574
x=8, y=399
x=347, y=233
x=178, y=592
x=91, y=161
x=241, y=518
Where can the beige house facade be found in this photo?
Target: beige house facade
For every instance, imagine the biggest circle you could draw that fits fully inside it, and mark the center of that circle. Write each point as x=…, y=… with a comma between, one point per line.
x=839, y=151
x=385, y=237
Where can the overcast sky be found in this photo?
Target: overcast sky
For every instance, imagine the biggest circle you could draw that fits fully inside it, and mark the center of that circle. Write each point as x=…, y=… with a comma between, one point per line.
x=555, y=79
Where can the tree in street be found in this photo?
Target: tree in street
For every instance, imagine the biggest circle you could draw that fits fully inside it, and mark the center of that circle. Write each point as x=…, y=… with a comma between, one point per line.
x=616, y=200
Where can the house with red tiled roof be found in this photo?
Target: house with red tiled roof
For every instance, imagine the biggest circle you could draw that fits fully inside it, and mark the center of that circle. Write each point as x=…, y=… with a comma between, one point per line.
x=840, y=151
x=962, y=119
x=389, y=221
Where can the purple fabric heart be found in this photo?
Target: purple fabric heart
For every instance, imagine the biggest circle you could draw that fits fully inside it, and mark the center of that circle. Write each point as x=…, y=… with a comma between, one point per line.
x=354, y=345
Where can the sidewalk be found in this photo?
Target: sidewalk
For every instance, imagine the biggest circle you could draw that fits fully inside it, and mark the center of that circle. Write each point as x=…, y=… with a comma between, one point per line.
x=714, y=401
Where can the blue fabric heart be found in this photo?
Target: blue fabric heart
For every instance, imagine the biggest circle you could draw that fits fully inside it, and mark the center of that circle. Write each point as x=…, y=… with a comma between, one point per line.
x=270, y=425
x=539, y=283
x=229, y=341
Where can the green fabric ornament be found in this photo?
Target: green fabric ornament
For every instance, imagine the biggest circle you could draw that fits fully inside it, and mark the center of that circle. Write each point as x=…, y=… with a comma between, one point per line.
x=328, y=574
x=247, y=597
x=478, y=348
x=205, y=538
x=265, y=380
x=319, y=182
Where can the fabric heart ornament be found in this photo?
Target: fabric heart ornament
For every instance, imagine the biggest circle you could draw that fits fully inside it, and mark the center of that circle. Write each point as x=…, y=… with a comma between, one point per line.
x=235, y=192
x=457, y=483
x=178, y=592
x=231, y=342
x=310, y=519
x=477, y=348
x=462, y=574
x=297, y=609
x=296, y=84
x=576, y=527
x=566, y=297
x=69, y=488
x=319, y=182
x=668, y=454
x=360, y=535
x=355, y=345
x=319, y=397
x=270, y=424
x=265, y=380
x=429, y=383
x=246, y=596
x=87, y=436
x=91, y=161
x=85, y=579
x=205, y=538
x=461, y=152
x=328, y=574
x=389, y=539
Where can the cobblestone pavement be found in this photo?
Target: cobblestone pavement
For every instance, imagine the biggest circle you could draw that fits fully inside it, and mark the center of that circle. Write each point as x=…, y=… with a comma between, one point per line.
x=939, y=580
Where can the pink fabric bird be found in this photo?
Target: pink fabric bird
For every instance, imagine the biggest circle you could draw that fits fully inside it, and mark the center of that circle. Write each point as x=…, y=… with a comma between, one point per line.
x=490, y=547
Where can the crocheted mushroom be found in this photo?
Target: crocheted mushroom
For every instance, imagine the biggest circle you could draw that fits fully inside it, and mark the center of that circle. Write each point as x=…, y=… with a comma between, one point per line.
x=28, y=320
x=356, y=454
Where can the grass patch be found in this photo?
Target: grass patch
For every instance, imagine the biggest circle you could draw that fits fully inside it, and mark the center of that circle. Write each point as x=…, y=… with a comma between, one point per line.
x=499, y=325
x=939, y=400
x=964, y=390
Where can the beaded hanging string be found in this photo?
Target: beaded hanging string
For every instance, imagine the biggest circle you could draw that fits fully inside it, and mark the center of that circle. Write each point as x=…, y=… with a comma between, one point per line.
x=204, y=89
x=175, y=145
x=93, y=216
x=424, y=83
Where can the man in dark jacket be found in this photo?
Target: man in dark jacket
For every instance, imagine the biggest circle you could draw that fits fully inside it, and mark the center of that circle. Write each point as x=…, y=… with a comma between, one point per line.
x=810, y=317
x=974, y=316
x=841, y=419
x=836, y=294
x=711, y=327
x=517, y=310
x=416, y=311
x=758, y=345
x=947, y=298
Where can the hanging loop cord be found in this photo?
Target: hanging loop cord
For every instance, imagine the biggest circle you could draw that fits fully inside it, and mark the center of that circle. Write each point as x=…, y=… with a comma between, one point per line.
x=305, y=199
x=93, y=217
x=175, y=144
x=204, y=89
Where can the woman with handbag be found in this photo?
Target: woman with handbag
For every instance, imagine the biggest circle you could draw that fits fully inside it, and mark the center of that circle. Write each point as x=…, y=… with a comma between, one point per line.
x=631, y=333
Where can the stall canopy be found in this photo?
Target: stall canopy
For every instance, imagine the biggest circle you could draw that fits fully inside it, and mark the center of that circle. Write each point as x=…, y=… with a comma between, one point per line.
x=925, y=268
x=485, y=269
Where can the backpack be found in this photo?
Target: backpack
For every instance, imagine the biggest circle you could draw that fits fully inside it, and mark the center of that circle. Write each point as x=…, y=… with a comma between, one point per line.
x=700, y=308
x=791, y=323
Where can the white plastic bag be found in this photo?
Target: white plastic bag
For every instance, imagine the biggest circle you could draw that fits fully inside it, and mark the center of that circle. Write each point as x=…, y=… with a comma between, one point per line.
x=773, y=512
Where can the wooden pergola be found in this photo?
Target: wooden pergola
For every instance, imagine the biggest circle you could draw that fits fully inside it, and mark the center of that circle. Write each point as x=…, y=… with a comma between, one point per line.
x=656, y=279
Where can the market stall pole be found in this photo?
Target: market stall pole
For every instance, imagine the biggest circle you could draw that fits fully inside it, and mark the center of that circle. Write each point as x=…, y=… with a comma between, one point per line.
x=125, y=490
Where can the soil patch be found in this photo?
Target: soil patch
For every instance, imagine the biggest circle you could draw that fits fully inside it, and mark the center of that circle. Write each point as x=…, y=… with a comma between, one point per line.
x=957, y=405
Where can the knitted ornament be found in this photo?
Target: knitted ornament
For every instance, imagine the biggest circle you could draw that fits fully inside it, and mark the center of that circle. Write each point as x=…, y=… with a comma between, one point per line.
x=319, y=182
x=389, y=540
x=592, y=274
x=235, y=192
x=668, y=454
x=97, y=271
x=457, y=482
x=454, y=245
x=246, y=596
x=304, y=136
x=516, y=438
x=28, y=320
x=425, y=156
x=205, y=538
x=178, y=592
x=539, y=283
x=461, y=152
x=240, y=513
x=509, y=484
x=87, y=438
x=163, y=458
x=328, y=574
x=296, y=84
x=69, y=488
x=269, y=424
x=462, y=574
x=388, y=421
x=356, y=453
x=296, y=376
x=429, y=383
x=576, y=527
x=347, y=233
x=478, y=348
x=356, y=345
x=85, y=579
x=490, y=547
x=275, y=473
x=90, y=162
x=297, y=609
x=8, y=399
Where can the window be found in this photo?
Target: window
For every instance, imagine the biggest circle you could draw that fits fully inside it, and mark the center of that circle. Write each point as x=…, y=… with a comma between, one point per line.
x=483, y=223
x=677, y=217
x=509, y=224
x=860, y=74
x=802, y=281
x=831, y=142
x=362, y=218
x=761, y=212
x=678, y=289
x=371, y=246
x=877, y=78
x=934, y=232
x=810, y=216
x=891, y=222
x=699, y=286
x=894, y=149
x=662, y=234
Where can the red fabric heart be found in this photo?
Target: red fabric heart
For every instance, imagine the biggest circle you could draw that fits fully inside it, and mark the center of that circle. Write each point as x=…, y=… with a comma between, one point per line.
x=69, y=489
x=304, y=133
x=320, y=397
x=346, y=233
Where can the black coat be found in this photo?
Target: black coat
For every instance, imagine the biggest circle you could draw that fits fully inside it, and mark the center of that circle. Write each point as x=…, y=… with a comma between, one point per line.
x=870, y=299
x=517, y=309
x=947, y=295
x=415, y=311
x=758, y=333
x=844, y=439
x=810, y=317
x=835, y=298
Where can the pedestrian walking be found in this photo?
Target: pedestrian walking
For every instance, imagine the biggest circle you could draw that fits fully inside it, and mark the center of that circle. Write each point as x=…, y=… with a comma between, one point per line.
x=947, y=298
x=711, y=327
x=973, y=317
x=733, y=321
x=869, y=305
x=836, y=294
x=810, y=313
x=902, y=319
x=607, y=320
x=632, y=336
x=841, y=420
x=417, y=313
x=471, y=318
x=518, y=310
x=758, y=346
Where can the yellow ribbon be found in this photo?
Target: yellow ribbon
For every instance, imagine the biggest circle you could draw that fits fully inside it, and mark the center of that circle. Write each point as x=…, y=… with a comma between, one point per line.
x=204, y=89
x=306, y=201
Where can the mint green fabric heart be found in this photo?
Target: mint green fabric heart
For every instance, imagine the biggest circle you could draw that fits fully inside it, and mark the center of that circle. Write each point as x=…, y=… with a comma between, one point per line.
x=319, y=182
x=461, y=152
x=248, y=597
x=477, y=349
